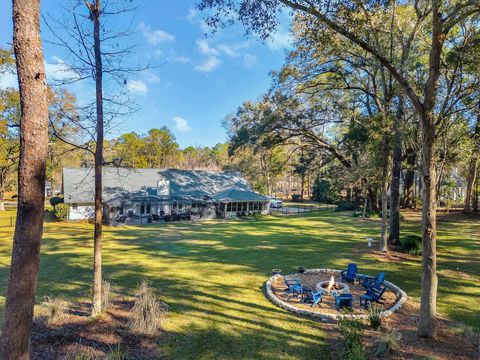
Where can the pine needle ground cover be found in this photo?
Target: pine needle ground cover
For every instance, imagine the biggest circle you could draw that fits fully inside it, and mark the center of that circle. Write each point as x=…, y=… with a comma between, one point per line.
x=212, y=274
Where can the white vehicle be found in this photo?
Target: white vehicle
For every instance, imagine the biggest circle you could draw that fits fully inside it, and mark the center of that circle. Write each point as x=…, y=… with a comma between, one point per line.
x=275, y=203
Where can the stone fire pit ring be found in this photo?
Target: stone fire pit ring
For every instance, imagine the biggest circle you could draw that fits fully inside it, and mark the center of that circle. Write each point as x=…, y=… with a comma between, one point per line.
x=401, y=297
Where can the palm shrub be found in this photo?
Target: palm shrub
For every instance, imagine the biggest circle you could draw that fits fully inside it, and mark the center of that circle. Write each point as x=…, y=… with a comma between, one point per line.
x=148, y=312
x=116, y=353
x=376, y=316
x=54, y=309
x=388, y=343
x=351, y=330
x=107, y=294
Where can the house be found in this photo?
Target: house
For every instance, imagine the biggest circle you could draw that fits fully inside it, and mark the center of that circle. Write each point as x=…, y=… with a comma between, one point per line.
x=160, y=193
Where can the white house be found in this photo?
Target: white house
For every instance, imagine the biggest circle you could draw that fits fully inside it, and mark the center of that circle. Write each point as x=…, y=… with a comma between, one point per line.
x=161, y=192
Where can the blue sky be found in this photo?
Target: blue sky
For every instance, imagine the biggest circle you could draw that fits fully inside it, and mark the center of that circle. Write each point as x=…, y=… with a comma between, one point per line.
x=197, y=80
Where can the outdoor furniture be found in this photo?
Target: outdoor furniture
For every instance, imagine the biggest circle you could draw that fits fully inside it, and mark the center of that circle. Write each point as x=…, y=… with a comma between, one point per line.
x=375, y=283
x=309, y=297
x=371, y=296
x=294, y=286
x=350, y=274
x=343, y=300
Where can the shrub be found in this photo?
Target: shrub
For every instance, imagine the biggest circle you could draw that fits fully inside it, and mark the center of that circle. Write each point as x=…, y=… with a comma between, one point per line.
x=107, y=294
x=55, y=309
x=61, y=212
x=346, y=205
x=412, y=244
x=388, y=342
x=54, y=201
x=350, y=328
x=375, y=316
x=116, y=354
x=148, y=312
x=324, y=191
x=80, y=352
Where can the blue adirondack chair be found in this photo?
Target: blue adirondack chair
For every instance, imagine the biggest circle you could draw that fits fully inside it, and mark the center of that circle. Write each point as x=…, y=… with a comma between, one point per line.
x=309, y=297
x=374, y=283
x=342, y=300
x=294, y=286
x=372, y=295
x=350, y=274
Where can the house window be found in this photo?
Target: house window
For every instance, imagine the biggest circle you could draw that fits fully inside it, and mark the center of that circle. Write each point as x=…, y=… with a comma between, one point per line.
x=74, y=206
x=229, y=207
x=142, y=209
x=148, y=209
x=120, y=210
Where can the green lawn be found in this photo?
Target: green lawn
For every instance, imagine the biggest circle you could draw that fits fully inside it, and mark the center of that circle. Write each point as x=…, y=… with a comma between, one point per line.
x=212, y=275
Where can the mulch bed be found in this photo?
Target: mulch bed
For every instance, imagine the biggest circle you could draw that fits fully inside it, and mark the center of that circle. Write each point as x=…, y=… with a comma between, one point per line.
x=79, y=333
x=450, y=343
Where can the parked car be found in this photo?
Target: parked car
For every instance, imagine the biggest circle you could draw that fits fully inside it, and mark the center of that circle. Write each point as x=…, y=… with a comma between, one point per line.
x=275, y=203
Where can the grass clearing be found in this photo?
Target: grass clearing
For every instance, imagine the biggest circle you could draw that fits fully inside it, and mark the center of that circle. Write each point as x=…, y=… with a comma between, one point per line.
x=212, y=274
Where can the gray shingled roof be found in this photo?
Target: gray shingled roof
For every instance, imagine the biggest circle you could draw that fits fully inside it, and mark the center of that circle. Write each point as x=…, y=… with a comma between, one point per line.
x=234, y=195
x=78, y=184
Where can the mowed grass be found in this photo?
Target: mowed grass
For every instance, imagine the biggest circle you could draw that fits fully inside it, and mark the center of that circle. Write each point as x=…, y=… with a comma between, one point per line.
x=212, y=275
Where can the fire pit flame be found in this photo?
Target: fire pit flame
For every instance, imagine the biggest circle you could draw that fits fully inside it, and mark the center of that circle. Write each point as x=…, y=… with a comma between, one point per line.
x=330, y=284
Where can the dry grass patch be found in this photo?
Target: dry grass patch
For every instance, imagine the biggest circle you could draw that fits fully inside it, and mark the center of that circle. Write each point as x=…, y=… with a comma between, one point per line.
x=148, y=312
x=54, y=309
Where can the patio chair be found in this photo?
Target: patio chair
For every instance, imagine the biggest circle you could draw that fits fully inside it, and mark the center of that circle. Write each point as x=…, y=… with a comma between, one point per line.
x=294, y=286
x=309, y=297
x=343, y=300
x=374, y=283
x=371, y=296
x=350, y=274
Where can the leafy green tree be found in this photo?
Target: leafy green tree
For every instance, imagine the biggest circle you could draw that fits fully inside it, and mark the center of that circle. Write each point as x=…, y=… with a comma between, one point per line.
x=342, y=16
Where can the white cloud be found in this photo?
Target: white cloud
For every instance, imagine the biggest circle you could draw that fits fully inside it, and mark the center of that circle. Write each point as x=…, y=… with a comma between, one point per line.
x=181, y=124
x=8, y=80
x=137, y=87
x=182, y=59
x=228, y=50
x=59, y=71
x=155, y=37
x=249, y=60
x=210, y=64
x=205, y=48
x=151, y=76
x=280, y=40
x=193, y=18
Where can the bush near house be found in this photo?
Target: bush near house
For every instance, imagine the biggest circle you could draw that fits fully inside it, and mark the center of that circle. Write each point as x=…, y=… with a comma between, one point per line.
x=61, y=212
x=56, y=200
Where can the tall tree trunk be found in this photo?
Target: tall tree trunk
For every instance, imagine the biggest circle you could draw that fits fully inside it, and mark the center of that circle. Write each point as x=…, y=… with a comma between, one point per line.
x=2, y=200
x=473, y=167
x=426, y=325
x=472, y=174
x=302, y=191
x=476, y=192
x=373, y=199
x=394, y=236
x=409, y=183
x=95, y=10
x=385, y=158
x=428, y=301
x=22, y=283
